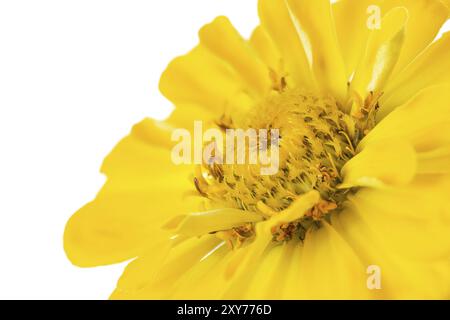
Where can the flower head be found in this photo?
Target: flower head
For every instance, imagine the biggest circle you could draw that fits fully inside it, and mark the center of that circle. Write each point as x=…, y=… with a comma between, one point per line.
x=359, y=95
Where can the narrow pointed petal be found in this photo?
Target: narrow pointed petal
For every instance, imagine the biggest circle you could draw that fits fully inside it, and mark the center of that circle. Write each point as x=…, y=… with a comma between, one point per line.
x=421, y=121
x=431, y=68
x=265, y=48
x=391, y=162
x=382, y=53
x=351, y=18
x=316, y=29
x=276, y=20
x=425, y=19
x=330, y=268
x=199, y=223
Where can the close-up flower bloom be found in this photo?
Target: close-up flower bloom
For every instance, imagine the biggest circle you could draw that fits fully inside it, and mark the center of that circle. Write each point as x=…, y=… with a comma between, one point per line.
x=359, y=205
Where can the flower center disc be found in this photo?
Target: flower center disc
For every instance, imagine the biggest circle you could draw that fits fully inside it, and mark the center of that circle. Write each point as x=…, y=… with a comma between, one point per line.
x=316, y=139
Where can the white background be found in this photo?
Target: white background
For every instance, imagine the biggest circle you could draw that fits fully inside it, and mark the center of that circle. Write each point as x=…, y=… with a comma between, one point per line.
x=74, y=77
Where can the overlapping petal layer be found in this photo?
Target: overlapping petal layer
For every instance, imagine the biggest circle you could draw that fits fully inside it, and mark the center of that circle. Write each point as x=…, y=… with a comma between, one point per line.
x=398, y=220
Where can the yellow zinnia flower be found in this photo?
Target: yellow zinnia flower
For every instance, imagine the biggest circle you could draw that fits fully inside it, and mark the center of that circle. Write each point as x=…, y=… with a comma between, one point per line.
x=359, y=207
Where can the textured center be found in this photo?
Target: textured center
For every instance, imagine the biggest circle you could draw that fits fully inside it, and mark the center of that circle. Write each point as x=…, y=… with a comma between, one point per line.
x=316, y=140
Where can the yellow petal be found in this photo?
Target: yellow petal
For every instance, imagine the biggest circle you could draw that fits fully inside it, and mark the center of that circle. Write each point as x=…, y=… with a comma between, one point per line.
x=145, y=149
x=142, y=160
x=400, y=278
x=296, y=210
x=410, y=220
x=435, y=161
x=423, y=192
x=133, y=204
x=202, y=79
x=265, y=48
x=282, y=272
x=330, y=269
x=156, y=274
x=446, y=3
x=432, y=67
x=118, y=226
x=276, y=20
x=315, y=27
x=141, y=271
x=421, y=121
x=184, y=115
x=270, y=276
x=240, y=268
x=204, y=280
x=239, y=271
x=200, y=223
x=352, y=18
x=224, y=41
x=382, y=52
x=389, y=162
x=293, y=288
x=425, y=19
